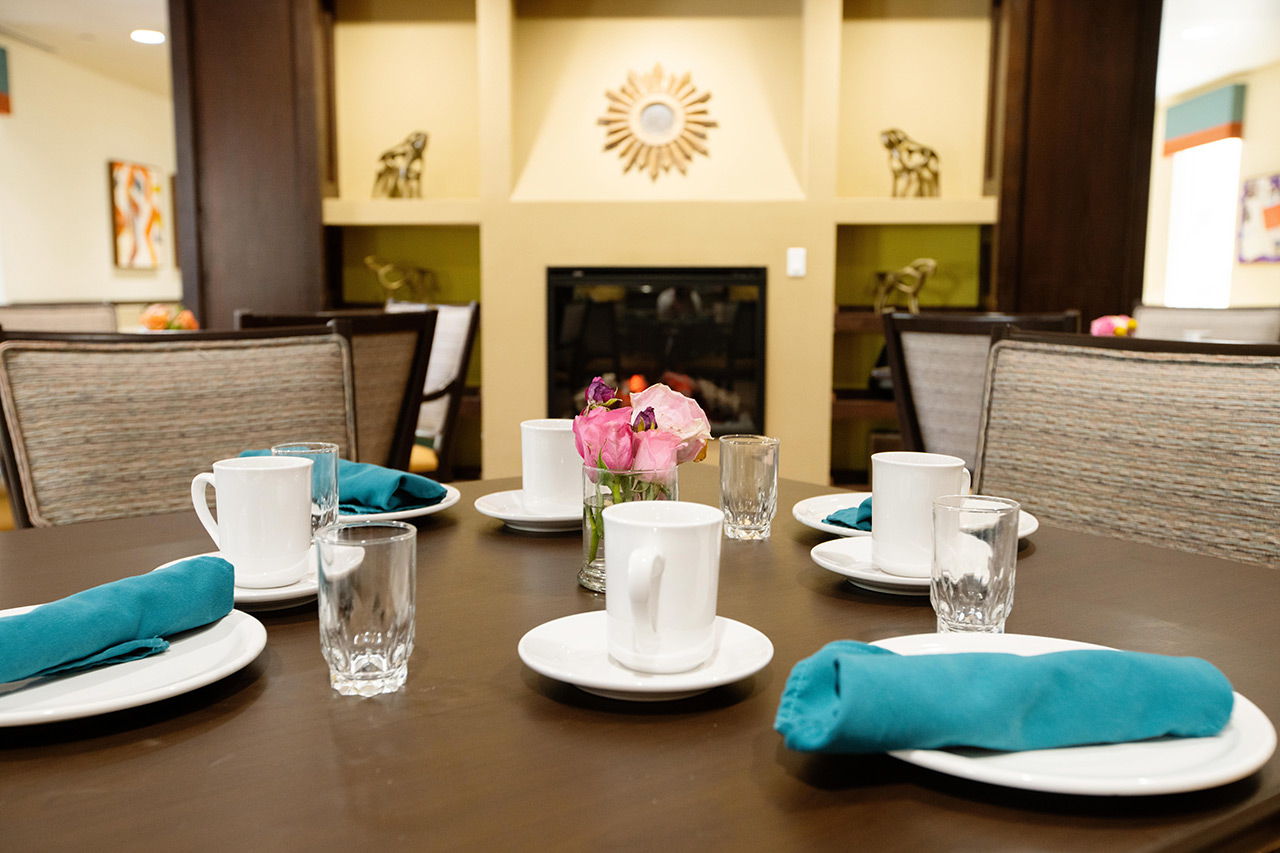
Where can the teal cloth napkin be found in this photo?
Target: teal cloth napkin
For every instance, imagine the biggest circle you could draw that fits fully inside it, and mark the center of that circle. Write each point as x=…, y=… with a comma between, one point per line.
x=364, y=488
x=858, y=517
x=116, y=622
x=853, y=698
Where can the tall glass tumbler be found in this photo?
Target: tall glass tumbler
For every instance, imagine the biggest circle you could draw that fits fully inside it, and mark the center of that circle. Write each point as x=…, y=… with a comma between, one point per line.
x=368, y=582
x=748, y=485
x=975, y=550
x=324, y=477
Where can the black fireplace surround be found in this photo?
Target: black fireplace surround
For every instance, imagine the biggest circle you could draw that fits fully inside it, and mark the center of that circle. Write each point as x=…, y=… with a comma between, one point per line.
x=701, y=330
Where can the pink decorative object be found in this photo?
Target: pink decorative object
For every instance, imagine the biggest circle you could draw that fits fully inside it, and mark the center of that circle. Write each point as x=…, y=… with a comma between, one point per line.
x=1113, y=325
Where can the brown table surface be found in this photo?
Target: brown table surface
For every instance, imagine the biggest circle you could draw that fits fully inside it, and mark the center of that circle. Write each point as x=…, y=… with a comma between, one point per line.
x=480, y=752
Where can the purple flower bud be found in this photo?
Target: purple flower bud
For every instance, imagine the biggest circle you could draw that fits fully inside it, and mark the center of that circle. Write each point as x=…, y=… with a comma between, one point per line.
x=645, y=420
x=599, y=392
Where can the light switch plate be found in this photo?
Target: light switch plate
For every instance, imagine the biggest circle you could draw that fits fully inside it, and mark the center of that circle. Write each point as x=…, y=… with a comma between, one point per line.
x=795, y=263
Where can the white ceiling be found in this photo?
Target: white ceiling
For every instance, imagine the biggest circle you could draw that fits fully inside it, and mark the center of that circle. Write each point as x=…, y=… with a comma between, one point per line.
x=1233, y=36
x=95, y=34
x=1206, y=40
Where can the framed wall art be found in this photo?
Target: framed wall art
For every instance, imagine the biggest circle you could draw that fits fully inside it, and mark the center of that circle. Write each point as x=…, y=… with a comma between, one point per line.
x=1260, y=220
x=137, y=222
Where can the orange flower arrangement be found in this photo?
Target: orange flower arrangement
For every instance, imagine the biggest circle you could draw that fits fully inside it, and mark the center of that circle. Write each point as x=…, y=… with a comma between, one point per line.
x=160, y=317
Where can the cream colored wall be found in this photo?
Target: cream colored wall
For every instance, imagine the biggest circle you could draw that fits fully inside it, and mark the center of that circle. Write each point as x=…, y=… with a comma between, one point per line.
x=55, y=205
x=922, y=73
x=751, y=67
x=401, y=76
x=1251, y=283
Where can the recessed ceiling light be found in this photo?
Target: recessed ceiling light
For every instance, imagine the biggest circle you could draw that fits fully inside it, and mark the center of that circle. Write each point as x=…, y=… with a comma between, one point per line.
x=1199, y=32
x=147, y=36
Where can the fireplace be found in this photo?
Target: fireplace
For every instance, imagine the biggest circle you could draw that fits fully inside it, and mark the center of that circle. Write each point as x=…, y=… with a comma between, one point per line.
x=701, y=330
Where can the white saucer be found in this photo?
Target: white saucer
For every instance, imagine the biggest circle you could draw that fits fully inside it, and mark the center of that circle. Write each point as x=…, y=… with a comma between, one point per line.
x=1157, y=766
x=811, y=511
x=451, y=497
x=194, y=658
x=276, y=597
x=573, y=649
x=509, y=508
x=852, y=559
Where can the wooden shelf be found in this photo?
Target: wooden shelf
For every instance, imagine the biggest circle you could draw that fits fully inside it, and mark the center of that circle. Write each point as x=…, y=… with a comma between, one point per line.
x=856, y=405
x=402, y=211
x=858, y=321
x=916, y=211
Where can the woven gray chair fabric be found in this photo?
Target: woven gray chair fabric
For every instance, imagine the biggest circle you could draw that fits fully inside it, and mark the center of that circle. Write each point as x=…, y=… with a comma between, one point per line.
x=1177, y=449
x=382, y=365
x=59, y=317
x=947, y=373
x=1259, y=325
x=110, y=430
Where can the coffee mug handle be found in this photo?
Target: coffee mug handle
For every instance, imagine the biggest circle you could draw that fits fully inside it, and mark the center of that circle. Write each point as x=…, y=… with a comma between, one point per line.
x=643, y=571
x=199, y=486
x=968, y=482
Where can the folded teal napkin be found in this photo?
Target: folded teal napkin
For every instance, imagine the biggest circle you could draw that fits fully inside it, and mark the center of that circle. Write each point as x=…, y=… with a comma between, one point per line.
x=851, y=697
x=364, y=488
x=858, y=517
x=116, y=622
x=371, y=488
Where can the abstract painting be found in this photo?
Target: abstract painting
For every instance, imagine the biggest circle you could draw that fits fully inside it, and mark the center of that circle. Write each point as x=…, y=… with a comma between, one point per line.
x=5, y=108
x=135, y=213
x=1260, y=220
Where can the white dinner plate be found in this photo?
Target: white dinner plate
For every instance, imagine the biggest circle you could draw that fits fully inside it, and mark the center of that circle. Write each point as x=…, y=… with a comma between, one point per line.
x=451, y=497
x=852, y=559
x=194, y=658
x=574, y=649
x=271, y=598
x=811, y=511
x=1157, y=766
x=509, y=508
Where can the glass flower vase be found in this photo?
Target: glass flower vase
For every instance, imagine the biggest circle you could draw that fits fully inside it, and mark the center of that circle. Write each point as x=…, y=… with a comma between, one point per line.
x=601, y=488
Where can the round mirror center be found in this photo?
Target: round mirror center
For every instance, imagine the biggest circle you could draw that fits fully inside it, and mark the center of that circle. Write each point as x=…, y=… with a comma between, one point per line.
x=657, y=119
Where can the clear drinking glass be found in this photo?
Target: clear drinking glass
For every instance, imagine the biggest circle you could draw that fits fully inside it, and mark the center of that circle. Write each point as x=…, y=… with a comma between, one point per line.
x=975, y=550
x=324, y=477
x=748, y=485
x=368, y=582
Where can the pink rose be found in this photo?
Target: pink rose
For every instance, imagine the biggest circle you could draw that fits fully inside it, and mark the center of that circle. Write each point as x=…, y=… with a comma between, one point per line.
x=655, y=450
x=679, y=415
x=604, y=438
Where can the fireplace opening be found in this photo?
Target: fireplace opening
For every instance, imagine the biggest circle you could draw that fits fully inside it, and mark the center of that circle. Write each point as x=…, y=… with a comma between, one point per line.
x=700, y=330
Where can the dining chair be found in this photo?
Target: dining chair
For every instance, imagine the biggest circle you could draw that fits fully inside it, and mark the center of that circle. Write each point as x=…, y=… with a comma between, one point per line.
x=59, y=317
x=446, y=381
x=938, y=362
x=1172, y=443
x=1254, y=325
x=115, y=425
x=389, y=356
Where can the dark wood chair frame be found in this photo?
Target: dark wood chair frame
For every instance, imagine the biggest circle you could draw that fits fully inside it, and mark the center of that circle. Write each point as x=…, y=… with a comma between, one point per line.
x=952, y=323
x=355, y=323
x=1017, y=332
x=8, y=458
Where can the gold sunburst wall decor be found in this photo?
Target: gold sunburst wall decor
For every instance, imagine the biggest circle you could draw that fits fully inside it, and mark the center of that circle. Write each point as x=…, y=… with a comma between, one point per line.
x=657, y=121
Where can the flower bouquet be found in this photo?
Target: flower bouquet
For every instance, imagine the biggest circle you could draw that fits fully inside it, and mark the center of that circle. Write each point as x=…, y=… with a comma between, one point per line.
x=162, y=318
x=630, y=453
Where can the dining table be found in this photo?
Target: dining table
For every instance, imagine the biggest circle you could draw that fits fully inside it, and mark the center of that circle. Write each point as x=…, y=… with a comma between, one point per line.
x=478, y=751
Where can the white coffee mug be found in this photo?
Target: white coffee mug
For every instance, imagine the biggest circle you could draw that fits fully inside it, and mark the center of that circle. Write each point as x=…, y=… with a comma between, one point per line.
x=662, y=573
x=264, y=517
x=903, y=486
x=551, y=466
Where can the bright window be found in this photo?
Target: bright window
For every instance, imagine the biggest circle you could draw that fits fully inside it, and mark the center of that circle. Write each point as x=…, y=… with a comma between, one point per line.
x=1202, y=224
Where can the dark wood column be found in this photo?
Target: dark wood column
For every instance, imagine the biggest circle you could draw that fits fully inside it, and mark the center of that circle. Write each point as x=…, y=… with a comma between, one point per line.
x=1075, y=97
x=247, y=107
